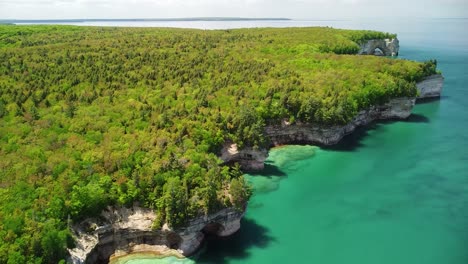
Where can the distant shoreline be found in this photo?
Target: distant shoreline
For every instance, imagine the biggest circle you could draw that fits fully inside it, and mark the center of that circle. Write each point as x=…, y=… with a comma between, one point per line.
x=9, y=21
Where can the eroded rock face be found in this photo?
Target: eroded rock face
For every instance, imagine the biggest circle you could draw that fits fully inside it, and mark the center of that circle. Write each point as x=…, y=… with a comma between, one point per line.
x=298, y=132
x=380, y=47
x=248, y=158
x=122, y=231
x=305, y=133
x=431, y=86
x=226, y=222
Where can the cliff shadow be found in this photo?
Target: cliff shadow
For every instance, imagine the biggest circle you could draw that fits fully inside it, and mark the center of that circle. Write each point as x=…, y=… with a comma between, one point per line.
x=353, y=141
x=269, y=170
x=220, y=250
x=413, y=118
x=417, y=118
x=431, y=100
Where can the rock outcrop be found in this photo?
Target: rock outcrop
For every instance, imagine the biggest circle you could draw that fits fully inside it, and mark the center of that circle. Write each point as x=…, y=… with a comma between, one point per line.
x=298, y=132
x=305, y=133
x=122, y=231
x=380, y=47
x=248, y=158
x=431, y=86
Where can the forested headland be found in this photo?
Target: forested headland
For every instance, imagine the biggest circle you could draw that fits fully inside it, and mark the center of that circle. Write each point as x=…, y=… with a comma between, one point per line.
x=92, y=116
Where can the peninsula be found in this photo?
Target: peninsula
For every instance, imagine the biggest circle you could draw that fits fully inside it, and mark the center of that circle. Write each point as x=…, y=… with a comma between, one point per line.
x=117, y=140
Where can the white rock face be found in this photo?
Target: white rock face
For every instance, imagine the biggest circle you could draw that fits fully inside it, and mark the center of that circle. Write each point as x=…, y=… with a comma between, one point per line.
x=222, y=223
x=431, y=86
x=382, y=47
x=125, y=231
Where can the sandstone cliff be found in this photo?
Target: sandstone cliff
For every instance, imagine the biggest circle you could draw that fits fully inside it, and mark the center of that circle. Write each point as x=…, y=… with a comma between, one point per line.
x=431, y=86
x=121, y=231
x=380, y=47
x=248, y=158
x=298, y=132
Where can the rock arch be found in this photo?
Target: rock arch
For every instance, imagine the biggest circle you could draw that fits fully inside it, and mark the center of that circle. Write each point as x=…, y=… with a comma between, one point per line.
x=378, y=52
x=388, y=47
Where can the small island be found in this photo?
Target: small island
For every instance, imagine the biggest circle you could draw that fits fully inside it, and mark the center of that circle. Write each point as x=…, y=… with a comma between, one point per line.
x=121, y=140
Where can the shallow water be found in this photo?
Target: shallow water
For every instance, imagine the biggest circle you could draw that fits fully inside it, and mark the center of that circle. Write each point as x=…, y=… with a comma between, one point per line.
x=148, y=258
x=395, y=192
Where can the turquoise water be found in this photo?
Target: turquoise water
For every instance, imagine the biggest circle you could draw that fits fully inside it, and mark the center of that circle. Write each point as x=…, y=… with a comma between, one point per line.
x=396, y=192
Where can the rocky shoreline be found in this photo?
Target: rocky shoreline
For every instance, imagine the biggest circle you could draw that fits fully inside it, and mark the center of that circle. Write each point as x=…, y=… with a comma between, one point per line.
x=304, y=133
x=122, y=231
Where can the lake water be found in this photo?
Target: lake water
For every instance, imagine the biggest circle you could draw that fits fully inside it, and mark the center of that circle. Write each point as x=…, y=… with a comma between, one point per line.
x=395, y=192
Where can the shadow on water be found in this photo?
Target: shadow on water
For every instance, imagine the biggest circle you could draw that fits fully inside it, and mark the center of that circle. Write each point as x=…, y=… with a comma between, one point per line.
x=354, y=140
x=220, y=250
x=413, y=118
x=269, y=170
x=416, y=118
x=431, y=100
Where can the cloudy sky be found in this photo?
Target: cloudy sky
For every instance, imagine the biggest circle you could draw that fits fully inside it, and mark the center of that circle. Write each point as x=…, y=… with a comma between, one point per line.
x=302, y=9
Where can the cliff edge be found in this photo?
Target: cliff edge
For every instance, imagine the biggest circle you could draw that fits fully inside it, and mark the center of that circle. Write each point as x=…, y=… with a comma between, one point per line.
x=431, y=86
x=122, y=231
x=309, y=133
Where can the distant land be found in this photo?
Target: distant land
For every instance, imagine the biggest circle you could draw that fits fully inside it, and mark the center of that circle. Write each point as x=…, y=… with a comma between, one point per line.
x=14, y=21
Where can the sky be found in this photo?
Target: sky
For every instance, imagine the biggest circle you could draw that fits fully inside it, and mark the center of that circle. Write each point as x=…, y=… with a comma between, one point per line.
x=296, y=9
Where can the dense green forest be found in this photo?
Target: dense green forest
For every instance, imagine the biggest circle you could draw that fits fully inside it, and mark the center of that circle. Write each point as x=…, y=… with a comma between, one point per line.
x=91, y=117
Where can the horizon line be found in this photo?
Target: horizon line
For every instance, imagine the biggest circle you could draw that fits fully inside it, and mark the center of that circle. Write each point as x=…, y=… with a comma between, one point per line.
x=148, y=19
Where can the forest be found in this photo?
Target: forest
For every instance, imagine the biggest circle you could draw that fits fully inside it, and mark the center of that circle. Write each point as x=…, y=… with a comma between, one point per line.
x=99, y=116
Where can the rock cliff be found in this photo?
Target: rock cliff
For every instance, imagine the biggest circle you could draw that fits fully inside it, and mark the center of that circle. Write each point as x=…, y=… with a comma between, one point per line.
x=122, y=231
x=380, y=47
x=431, y=86
x=248, y=158
x=298, y=132
x=304, y=133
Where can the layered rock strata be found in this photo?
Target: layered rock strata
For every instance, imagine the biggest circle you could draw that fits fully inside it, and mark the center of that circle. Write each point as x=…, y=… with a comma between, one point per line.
x=298, y=132
x=431, y=86
x=123, y=231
